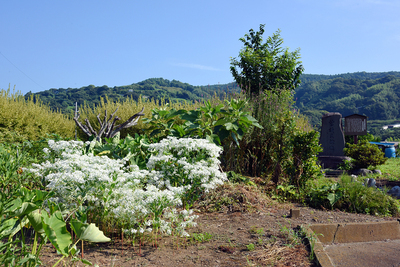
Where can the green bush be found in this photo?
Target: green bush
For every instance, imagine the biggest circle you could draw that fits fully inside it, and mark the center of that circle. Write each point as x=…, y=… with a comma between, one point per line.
x=284, y=150
x=351, y=196
x=305, y=151
x=359, y=198
x=365, y=154
x=22, y=119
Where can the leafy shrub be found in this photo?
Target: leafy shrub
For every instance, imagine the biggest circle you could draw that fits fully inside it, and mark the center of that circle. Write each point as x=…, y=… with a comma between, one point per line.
x=284, y=149
x=305, y=150
x=346, y=165
x=359, y=198
x=13, y=157
x=22, y=119
x=325, y=196
x=285, y=193
x=238, y=178
x=352, y=196
x=131, y=149
x=25, y=208
x=365, y=154
x=211, y=122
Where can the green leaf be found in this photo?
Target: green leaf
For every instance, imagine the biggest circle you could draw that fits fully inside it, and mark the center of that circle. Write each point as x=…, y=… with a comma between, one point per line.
x=222, y=121
x=35, y=218
x=88, y=232
x=9, y=228
x=16, y=203
x=86, y=262
x=178, y=112
x=28, y=257
x=56, y=230
x=235, y=139
x=24, y=209
x=333, y=198
x=81, y=213
x=230, y=126
x=40, y=195
x=191, y=116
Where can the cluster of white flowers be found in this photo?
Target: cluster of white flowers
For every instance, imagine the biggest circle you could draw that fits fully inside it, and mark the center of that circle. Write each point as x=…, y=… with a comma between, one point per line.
x=188, y=164
x=181, y=220
x=191, y=150
x=142, y=200
x=76, y=177
x=68, y=147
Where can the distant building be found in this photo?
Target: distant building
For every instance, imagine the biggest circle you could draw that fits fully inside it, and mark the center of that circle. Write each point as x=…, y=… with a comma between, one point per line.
x=391, y=126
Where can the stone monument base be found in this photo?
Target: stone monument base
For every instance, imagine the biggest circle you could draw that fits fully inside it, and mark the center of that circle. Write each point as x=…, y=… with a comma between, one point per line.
x=331, y=162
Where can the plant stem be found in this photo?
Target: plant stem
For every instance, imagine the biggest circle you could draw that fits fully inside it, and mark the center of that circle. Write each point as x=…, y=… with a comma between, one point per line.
x=58, y=261
x=122, y=243
x=35, y=243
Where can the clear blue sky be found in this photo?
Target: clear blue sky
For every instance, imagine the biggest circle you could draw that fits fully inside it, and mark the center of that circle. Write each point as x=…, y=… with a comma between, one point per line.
x=61, y=44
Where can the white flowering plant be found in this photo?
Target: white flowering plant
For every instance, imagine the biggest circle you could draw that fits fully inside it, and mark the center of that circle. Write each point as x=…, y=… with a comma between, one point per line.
x=140, y=200
x=190, y=165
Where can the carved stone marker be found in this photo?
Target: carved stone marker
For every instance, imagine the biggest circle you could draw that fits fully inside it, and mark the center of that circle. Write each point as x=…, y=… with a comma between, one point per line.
x=332, y=141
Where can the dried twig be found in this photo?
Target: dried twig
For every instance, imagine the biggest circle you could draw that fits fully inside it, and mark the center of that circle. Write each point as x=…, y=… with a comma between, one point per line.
x=107, y=125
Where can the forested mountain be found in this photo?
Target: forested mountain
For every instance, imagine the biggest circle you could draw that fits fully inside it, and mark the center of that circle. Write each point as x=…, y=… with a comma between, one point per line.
x=375, y=95
x=306, y=78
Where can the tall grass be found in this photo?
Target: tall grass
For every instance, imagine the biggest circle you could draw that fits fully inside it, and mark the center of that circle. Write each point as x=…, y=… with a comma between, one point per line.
x=22, y=119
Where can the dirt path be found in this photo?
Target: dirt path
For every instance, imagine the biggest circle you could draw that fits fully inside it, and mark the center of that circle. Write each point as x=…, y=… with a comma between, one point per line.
x=224, y=239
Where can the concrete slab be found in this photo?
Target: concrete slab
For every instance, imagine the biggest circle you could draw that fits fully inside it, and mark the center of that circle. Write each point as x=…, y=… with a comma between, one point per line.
x=363, y=254
x=356, y=244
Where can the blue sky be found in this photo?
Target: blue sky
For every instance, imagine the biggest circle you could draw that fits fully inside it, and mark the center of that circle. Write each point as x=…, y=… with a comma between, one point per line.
x=61, y=44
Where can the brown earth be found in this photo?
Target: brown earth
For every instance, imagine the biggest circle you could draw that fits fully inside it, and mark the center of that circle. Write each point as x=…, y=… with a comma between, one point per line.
x=252, y=219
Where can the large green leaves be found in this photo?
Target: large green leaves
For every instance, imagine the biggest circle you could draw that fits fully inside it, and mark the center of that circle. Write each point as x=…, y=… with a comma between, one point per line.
x=88, y=232
x=35, y=218
x=210, y=122
x=56, y=230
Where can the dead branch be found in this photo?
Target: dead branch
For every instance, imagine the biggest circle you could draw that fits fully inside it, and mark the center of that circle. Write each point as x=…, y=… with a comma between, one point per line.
x=107, y=125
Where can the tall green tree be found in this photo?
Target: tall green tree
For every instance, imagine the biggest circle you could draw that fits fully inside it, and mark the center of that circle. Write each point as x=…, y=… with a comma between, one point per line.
x=266, y=65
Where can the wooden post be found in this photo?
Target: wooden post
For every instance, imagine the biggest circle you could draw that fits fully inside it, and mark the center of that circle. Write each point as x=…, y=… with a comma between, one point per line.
x=355, y=139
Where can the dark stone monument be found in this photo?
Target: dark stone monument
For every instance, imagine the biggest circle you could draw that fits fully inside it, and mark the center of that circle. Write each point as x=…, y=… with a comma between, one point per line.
x=332, y=141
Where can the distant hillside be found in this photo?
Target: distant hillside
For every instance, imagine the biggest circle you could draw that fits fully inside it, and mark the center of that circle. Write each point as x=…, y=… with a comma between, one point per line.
x=156, y=88
x=306, y=78
x=375, y=95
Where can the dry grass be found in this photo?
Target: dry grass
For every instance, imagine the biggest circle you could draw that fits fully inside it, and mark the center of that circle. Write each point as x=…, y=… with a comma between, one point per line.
x=231, y=197
x=277, y=255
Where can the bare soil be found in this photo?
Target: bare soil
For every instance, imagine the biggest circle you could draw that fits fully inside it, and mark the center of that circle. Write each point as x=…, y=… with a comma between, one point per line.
x=252, y=219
